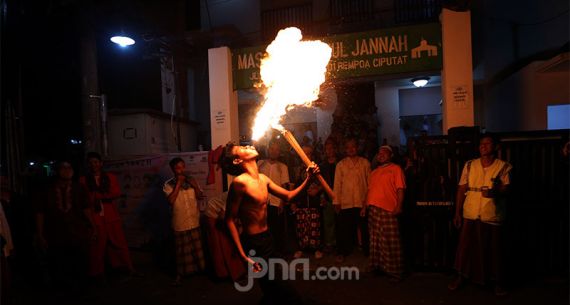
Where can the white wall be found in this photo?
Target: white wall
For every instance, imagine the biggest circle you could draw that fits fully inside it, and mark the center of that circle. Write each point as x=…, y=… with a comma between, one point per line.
x=420, y=101
x=139, y=133
x=386, y=99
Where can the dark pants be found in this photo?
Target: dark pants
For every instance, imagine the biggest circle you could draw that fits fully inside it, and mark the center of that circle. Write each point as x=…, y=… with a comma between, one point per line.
x=348, y=222
x=275, y=291
x=67, y=265
x=279, y=226
x=480, y=252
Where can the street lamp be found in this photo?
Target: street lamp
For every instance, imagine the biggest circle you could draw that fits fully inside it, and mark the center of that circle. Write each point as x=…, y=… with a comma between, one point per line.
x=420, y=81
x=123, y=41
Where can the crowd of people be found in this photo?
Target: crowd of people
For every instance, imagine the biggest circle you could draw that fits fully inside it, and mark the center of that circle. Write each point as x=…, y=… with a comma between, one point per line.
x=69, y=233
x=79, y=232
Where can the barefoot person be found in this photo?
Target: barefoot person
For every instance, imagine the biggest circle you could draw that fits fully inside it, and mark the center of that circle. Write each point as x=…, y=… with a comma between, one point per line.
x=248, y=199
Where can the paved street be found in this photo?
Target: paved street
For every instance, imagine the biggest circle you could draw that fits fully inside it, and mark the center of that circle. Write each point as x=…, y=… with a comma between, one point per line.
x=419, y=288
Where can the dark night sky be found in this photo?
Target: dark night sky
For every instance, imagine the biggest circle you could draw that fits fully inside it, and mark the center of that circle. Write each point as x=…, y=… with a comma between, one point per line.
x=40, y=42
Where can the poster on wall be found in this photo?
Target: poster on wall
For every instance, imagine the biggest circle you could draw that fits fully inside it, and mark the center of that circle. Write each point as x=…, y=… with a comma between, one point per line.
x=143, y=206
x=460, y=97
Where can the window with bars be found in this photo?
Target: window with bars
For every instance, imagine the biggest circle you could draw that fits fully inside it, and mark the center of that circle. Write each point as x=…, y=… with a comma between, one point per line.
x=343, y=11
x=274, y=20
x=415, y=11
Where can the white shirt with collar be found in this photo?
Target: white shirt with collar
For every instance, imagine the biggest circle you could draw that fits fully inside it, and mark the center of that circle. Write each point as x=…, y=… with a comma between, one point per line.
x=278, y=173
x=351, y=182
x=185, y=213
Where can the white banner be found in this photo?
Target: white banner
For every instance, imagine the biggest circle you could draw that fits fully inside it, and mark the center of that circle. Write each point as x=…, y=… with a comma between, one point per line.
x=143, y=206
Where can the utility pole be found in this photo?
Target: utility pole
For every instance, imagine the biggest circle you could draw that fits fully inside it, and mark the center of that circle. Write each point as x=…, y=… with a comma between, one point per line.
x=89, y=88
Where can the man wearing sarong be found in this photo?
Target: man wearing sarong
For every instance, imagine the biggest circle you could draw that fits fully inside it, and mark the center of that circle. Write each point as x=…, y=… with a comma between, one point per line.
x=384, y=203
x=182, y=192
x=307, y=210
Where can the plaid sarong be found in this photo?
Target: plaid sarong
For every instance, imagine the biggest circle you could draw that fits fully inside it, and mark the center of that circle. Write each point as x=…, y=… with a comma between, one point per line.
x=189, y=253
x=385, y=243
x=308, y=228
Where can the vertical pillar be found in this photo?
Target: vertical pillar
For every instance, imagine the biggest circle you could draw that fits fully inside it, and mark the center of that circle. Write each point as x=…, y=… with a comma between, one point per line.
x=223, y=102
x=457, y=73
x=90, y=93
x=223, y=98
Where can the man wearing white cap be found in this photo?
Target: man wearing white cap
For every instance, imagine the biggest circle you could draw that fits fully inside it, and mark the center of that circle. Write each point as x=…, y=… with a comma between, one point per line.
x=384, y=203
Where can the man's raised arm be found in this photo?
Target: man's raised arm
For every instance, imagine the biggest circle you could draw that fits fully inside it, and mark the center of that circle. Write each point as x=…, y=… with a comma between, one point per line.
x=289, y=195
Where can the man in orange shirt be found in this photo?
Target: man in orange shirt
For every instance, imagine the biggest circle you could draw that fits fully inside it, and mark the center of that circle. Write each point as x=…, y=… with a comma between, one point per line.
x=384, y=202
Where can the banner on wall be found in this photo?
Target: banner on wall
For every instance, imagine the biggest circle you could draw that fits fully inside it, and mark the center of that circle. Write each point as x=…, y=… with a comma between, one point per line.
x=143, y=206
x=415, y=48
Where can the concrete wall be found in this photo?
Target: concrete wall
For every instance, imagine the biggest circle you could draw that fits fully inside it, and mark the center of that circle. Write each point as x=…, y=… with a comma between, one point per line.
x=520, y=102
x=386, y=100
x=501, y=43
x=220, y=13
x=147, y=133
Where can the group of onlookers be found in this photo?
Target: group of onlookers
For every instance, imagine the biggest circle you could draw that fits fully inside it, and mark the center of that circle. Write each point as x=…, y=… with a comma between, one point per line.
x=79, y=230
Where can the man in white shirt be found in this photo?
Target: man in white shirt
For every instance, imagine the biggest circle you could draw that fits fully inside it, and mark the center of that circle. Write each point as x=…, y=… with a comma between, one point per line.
x=480, y=213
x=350, y=188
x=182, y=192
x=279, y=173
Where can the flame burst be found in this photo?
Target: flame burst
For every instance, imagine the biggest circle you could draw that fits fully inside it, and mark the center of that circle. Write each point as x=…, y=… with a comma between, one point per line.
x=292, y=73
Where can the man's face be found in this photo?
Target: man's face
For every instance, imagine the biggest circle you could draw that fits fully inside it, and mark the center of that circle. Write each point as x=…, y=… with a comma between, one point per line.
x=274, y=151
x=330, y=151
x=94, y=165
x=179, y=168
x=486, y=147
x=245, y=153
x=351, y=148
x=384, y=155
x=65, y=171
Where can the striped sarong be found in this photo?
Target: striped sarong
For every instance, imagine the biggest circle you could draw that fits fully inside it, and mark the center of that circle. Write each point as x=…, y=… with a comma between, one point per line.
x=189, y=252
x=385, y=242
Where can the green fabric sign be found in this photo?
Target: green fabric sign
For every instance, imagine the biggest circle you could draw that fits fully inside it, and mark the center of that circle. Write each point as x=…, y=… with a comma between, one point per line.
x=388, y=51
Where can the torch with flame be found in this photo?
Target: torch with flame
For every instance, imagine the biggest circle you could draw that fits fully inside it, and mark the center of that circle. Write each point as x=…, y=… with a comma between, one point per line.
x=292, y=73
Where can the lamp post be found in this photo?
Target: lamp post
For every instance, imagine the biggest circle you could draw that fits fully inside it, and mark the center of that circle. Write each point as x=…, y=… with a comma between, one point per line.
x=103, y=121
x=89, y=88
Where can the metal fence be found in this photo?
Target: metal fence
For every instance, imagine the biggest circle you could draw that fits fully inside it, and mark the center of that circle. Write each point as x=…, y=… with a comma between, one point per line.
x=537, y=221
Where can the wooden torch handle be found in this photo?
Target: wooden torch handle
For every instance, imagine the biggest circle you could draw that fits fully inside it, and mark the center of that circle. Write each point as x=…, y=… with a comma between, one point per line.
x=293, y=142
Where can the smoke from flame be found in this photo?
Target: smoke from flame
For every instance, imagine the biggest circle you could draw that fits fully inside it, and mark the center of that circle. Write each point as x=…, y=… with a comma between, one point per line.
x=292, y=73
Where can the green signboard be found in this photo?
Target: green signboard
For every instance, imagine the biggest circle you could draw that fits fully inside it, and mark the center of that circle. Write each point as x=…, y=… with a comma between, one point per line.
x=388, y=51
